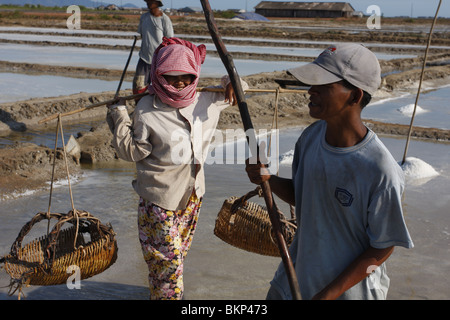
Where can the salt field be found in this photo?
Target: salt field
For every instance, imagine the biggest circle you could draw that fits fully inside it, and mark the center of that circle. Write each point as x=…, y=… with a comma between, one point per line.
x=433, y=109
x=40, y=86
x=295, y=51
x=215, y=270
x=115, y=59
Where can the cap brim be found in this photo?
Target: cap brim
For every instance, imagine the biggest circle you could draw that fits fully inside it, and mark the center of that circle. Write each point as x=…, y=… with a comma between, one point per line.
x=313, y=74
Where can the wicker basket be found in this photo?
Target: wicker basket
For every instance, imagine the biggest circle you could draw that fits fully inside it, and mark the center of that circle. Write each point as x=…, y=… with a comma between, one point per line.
x=45, y=261
x=246, y=225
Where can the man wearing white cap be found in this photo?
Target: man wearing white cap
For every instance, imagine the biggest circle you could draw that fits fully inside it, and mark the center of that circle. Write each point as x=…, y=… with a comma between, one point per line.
x=153, y=26
x=346, y=186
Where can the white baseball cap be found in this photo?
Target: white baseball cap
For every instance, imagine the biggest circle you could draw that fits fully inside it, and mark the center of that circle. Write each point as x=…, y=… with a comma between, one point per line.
x=352, y=62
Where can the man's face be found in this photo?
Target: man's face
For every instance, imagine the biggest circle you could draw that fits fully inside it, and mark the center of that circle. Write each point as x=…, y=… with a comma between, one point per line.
x=152, y=5
x=329, y=101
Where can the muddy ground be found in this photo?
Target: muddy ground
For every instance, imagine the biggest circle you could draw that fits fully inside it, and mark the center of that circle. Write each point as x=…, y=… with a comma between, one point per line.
x=28, y=166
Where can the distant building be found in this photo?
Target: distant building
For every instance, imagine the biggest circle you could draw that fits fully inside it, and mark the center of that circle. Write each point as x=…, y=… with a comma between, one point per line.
x=304, y=9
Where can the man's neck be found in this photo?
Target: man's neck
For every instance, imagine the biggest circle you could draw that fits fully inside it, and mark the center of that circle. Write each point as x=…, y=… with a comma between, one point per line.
x=345, y=135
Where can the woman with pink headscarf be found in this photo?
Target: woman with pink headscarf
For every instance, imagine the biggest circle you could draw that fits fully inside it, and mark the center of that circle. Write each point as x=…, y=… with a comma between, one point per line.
x=168, y=139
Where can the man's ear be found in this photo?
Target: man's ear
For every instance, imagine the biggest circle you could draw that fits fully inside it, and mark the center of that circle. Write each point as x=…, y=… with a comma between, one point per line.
x=356, y=96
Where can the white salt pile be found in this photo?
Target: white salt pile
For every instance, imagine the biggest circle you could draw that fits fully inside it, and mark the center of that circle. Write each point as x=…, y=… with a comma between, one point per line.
x=286, y=158
x=414, y=168
x=409, y=109
x=417, y=169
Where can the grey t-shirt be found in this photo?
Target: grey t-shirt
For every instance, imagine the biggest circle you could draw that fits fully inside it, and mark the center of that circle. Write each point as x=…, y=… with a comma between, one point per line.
x=152, y=30
x=347, y=199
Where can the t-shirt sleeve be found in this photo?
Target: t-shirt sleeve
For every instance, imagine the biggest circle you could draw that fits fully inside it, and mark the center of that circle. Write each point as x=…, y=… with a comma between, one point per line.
x=168, y=27
x=386, y=223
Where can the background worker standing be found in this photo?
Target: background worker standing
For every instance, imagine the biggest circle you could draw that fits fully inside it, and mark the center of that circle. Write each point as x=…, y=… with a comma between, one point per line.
x=153, y=26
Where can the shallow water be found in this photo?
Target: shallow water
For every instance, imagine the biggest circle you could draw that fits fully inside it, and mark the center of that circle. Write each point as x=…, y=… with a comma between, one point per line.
x=46, y=137
x=433, y=109
x=17, y=86
x=116, y=59
x=12, y=85
x=296, y=51
x=214, y=269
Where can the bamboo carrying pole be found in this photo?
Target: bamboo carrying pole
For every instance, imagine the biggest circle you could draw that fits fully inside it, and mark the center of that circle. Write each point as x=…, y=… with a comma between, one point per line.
x=140, y=95
x=126, y=67
x=248, y=126
x=420, y=82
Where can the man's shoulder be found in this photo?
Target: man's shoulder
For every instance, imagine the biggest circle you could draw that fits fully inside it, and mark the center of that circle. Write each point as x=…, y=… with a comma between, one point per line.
x=317, y=125
x=145, y=15
x=313, y=129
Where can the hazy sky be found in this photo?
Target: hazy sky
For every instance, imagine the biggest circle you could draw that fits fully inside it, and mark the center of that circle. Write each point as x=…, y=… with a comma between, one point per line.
x=388, y=8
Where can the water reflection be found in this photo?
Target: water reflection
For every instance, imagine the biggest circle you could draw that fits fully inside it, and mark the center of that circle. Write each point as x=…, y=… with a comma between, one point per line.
x=45, y=137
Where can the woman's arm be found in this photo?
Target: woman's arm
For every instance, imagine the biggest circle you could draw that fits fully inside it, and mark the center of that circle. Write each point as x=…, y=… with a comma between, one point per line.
x=130, y=140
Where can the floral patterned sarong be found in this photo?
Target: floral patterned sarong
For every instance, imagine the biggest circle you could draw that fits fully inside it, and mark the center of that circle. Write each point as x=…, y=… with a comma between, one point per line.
x=166, y=237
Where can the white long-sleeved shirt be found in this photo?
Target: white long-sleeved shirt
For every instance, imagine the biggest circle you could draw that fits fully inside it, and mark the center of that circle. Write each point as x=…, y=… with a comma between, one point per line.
x=169, y=146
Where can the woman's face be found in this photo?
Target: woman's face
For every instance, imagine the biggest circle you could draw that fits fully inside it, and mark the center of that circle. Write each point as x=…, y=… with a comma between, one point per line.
x=179, y=82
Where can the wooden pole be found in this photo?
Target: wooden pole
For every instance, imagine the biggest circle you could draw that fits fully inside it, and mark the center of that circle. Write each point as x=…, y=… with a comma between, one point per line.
x=420, y=83
x=126, y=67
x=140, y=95
x=248, y=126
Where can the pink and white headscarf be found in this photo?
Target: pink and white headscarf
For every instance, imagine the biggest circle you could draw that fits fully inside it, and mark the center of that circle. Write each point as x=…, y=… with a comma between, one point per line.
x=176, y=56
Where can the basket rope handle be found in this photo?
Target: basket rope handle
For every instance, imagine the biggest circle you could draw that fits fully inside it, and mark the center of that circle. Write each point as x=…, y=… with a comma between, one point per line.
x=53, y=235
x=28, y=226
x=59, y=128
x=242, y=201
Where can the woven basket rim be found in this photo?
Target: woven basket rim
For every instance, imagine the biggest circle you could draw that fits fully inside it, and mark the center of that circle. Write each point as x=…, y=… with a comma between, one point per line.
x=100, y=252
x=247, y=226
